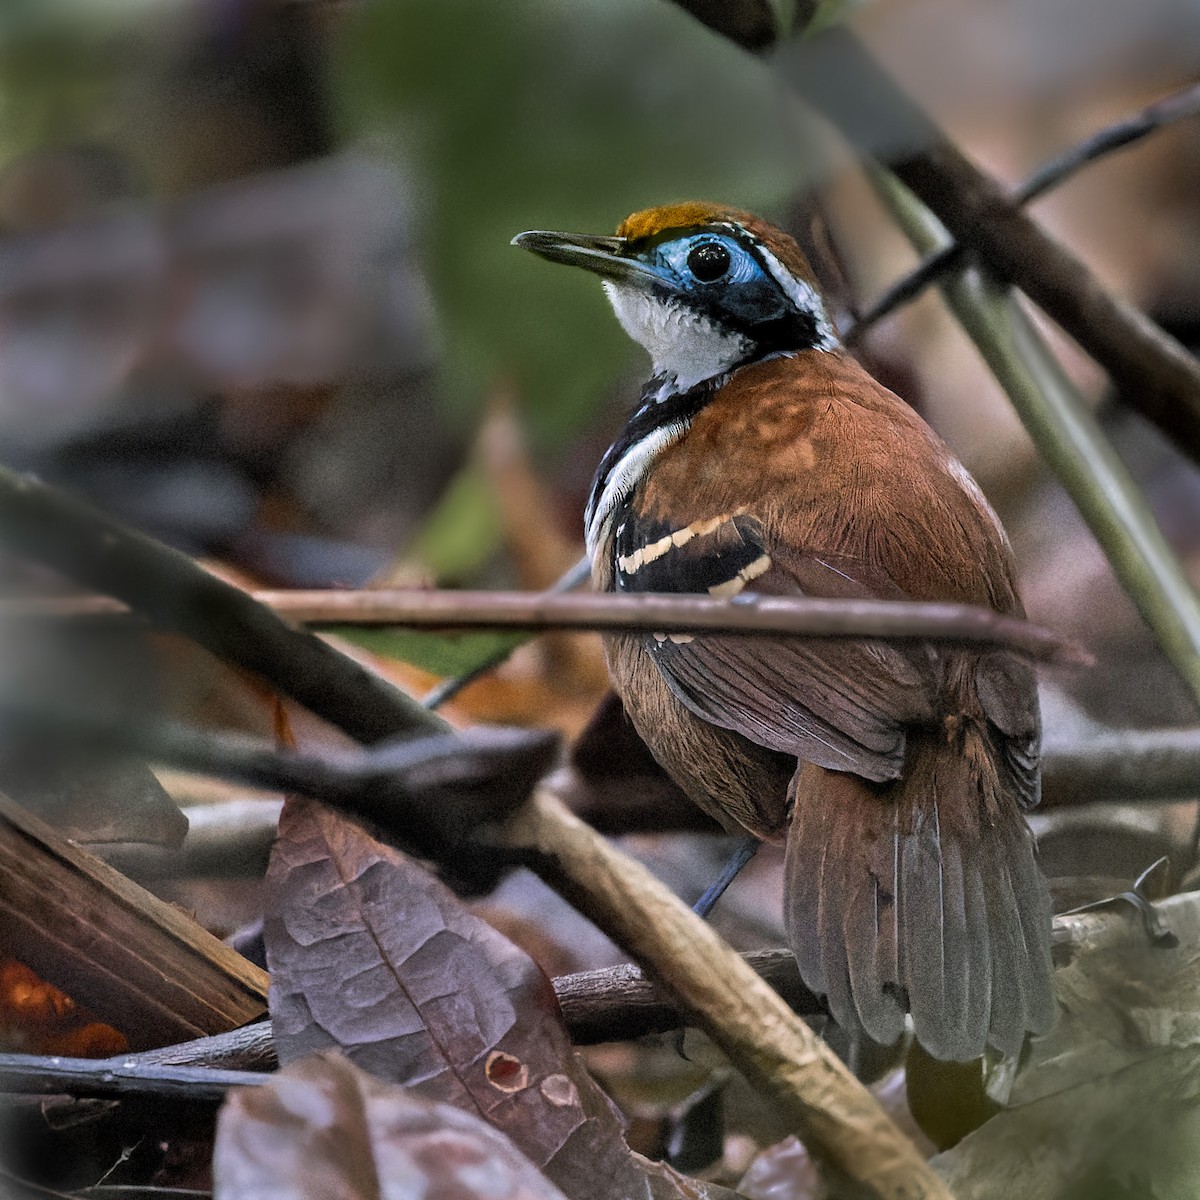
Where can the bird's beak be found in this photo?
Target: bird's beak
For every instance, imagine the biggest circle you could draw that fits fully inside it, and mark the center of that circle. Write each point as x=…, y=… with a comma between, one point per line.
x=606, y=256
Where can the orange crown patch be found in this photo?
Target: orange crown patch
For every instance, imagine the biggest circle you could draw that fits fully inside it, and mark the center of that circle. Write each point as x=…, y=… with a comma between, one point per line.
x=653, y=222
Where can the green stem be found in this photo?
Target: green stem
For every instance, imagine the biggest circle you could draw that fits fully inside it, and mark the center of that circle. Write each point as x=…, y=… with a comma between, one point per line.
x=1069, y=438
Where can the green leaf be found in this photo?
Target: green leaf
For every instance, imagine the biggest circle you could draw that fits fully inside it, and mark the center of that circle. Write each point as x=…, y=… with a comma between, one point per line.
x=463, y=531
x=437, y=653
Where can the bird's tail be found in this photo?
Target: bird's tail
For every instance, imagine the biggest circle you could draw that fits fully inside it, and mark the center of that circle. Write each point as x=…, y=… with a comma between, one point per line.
x=922, y=895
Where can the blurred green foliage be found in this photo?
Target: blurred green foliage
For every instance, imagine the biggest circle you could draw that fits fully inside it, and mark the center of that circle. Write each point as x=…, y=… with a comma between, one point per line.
x=437, y=653
x=63, y=63
x=559, y=114
x=462, y=532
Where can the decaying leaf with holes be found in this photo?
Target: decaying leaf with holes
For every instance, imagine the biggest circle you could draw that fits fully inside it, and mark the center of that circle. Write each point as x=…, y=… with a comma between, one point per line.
x=370, y=954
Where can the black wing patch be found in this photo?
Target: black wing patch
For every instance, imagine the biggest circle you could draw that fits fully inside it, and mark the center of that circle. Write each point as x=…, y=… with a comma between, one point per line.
x=841, y=705
x=706, y=556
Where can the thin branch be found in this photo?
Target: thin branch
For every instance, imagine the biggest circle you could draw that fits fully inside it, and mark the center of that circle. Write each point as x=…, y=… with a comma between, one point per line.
x=839, y=1120
x=250, y=1048
x=1162, y=113
x=235, y=838
x=836, y=1118
x=1070, y=439
x=1156, y=375
x=1144, y=764
x=431, y=793
x=611, y=1005
x=621, y=1004
x=119, y=1078
x=665, y=613
x=1055, y=171
x=615, y=1004
x=445, y=691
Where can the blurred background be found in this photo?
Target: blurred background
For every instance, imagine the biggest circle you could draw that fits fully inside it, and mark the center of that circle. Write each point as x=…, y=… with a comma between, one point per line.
x=257, y=298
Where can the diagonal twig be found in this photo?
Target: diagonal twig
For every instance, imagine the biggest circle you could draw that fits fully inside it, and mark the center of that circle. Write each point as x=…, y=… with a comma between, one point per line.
x=178, y=595
x=431, y=793
x=445, y=691
x=839, y=1120
x=1121, y=134
x=29, y=1073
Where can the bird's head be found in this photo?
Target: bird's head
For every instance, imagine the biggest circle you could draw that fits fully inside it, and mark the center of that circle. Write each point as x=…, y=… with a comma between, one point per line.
x=702, y=287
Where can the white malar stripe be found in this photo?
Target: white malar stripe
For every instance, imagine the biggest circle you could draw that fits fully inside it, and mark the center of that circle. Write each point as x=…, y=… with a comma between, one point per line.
x=623, y=478
x=731, y=587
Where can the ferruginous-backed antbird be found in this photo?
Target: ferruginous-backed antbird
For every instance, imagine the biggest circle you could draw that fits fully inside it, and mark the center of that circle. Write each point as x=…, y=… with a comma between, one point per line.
x=763, y=458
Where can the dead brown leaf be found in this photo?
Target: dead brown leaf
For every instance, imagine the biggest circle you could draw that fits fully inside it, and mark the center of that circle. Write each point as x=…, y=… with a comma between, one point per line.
x=371, y=954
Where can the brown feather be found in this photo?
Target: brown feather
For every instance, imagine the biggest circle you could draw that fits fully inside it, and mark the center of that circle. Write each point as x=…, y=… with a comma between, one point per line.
x=911, y=877
x=914, y=895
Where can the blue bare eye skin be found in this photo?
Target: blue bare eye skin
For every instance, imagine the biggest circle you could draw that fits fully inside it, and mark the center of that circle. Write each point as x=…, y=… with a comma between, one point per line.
x=742, y=294
x=678, y=257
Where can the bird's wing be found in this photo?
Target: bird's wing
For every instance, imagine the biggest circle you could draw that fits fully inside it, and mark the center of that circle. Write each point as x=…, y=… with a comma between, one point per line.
x=1007, y=691
x=843, y=705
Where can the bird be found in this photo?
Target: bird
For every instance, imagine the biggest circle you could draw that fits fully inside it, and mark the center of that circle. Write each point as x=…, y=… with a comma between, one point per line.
x=763, y=458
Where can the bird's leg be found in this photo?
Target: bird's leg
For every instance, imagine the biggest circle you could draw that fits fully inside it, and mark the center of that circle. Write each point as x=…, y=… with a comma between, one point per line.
x=745, y=851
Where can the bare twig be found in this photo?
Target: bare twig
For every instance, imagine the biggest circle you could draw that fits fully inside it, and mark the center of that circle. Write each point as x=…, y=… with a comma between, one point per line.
x=1121, y=134
x=840, y=1121
x=1156, y=374
x=1176, y=107
x=1149, y=764
x=235, y=838
x=616, y=1004
x=449, y=688
x=748, y=614
x=118, y=1078
x=250, y=1048
x=837, y=1119
x=432, y=793
x=620, y=1003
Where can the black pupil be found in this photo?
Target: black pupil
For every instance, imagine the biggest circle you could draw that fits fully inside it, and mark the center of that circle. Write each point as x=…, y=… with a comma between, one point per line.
x=708, y=261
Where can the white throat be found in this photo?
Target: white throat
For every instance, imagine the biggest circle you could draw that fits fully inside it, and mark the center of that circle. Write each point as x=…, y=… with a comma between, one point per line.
x=681, y=343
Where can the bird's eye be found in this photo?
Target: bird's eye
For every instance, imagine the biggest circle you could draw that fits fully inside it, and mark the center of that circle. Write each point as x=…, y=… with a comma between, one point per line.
x=708, y=261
